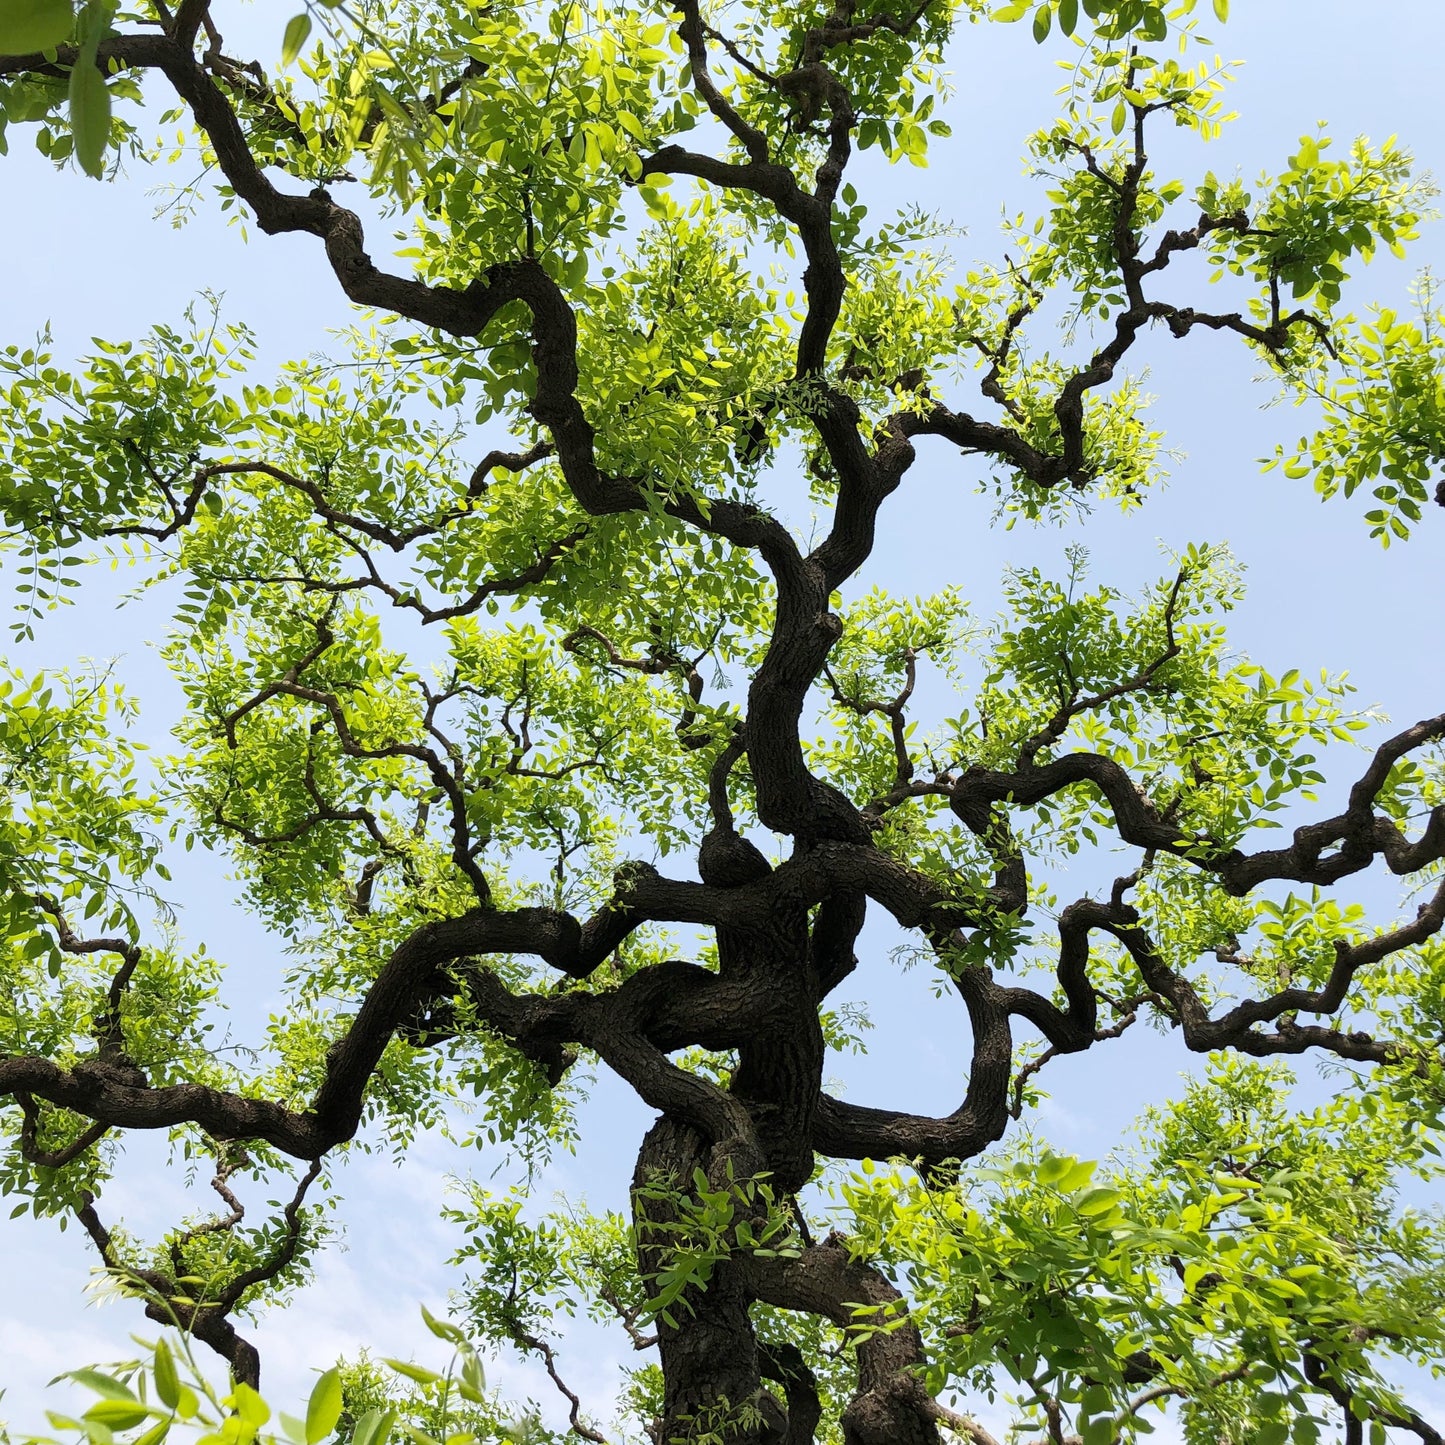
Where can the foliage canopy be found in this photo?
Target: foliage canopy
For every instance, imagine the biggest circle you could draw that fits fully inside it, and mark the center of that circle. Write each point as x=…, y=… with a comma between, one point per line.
x=542, y=739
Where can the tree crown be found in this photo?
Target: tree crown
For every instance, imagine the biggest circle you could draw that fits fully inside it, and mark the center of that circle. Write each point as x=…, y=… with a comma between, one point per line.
x=545, y=729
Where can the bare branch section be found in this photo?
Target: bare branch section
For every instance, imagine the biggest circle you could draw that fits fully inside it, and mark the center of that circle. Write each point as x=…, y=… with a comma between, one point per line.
x=823, y=873
x=890, y=1402
x=168, y=1302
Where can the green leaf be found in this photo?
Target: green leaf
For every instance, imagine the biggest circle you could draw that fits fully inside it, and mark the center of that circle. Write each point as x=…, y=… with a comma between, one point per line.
x=30, y=25
x=472, y=1374
x=117, y=1414
x=323, y=1409
x=250, y=1406
x=298, y=28
x=1068, y=16
x=373, y=1428
x=1098, y=1200
x=1079, y=1173
x=90, y=97
x=101, y=1384
x=1043, y=19
x=1153, y=26
x=1053, y=1167
x=168, y=1385
x=1221, y=10
x=1235, y=1181
x=155, y=1434
x=442, y=1329
x=419, y=1373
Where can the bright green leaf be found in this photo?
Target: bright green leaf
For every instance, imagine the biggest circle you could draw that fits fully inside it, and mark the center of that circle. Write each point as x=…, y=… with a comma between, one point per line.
x=30, y=25
x=298, y=30
x=323, y=1409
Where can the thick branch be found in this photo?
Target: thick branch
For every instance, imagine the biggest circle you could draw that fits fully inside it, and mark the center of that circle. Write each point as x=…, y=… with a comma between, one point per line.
x=891, y=1406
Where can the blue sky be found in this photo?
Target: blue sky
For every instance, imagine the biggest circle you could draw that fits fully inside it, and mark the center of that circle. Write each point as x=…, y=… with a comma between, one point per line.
x=91, y=260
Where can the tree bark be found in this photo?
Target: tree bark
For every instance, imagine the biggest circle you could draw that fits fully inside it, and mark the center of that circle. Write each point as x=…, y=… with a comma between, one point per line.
x=709, y=1351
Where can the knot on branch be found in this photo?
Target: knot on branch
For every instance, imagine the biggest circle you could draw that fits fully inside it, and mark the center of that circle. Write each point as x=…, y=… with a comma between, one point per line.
x=112, y=1067
x=628, y=877
x=728, y=860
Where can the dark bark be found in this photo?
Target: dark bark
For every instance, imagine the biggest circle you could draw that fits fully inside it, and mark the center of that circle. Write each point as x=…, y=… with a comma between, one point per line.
x=890, y=1407
x=709, y=1351
x=786, y=1364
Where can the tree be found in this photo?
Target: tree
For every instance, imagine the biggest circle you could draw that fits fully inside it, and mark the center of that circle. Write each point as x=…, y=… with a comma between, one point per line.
x=440, y=711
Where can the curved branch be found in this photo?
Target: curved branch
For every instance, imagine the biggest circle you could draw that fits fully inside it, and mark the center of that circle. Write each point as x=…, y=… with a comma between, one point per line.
x=783, y=1362
x=1360, y=834
x=891, y=1407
